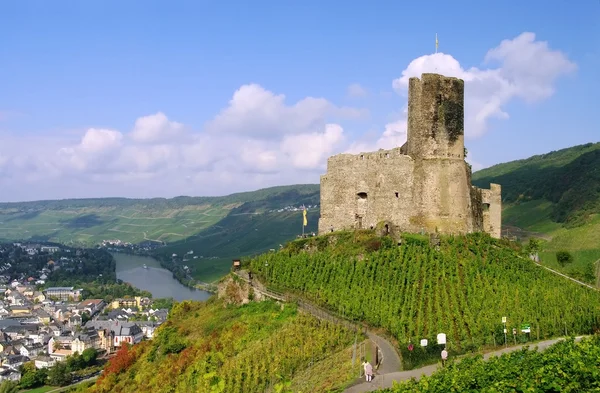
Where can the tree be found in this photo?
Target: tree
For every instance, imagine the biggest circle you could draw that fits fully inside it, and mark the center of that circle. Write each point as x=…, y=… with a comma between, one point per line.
x=563, y=257
x=59, y=375
x=534, y=245
x=29, y=376
x=89, y=356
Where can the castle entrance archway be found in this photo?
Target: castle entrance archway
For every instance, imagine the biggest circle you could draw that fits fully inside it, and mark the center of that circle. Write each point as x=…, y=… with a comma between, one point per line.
x=361, y=208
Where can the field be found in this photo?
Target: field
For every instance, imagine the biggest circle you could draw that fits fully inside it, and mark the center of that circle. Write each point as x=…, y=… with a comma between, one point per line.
x=565, y=367
x=91, y=225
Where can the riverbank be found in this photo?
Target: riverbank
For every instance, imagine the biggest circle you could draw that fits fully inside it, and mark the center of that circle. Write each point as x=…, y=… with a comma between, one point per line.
x=147, y=273
x=178, y=271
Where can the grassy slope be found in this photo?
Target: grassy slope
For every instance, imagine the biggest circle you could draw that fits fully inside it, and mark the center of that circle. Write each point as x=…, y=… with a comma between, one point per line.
x=239, y=235
x=555, y=196
x=236, y=349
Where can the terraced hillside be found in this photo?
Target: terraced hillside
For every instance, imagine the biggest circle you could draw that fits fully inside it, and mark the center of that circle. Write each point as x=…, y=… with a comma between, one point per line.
x=556, y=197
x=258, y=347
x=462, y=287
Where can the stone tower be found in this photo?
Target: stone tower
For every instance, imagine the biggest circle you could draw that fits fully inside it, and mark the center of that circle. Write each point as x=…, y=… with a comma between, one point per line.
x=425, y=185
x=435, y=140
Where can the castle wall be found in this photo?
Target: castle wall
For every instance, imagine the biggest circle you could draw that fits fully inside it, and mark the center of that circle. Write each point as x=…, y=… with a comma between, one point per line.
x=442, y=196
x=492, y=210
x=359, y=191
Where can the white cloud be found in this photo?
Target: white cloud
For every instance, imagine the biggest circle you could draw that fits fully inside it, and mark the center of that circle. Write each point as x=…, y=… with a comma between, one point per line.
x=527, y=69
x=310, y=151
x=355, y=90
x=258, y=139
x=155, y=128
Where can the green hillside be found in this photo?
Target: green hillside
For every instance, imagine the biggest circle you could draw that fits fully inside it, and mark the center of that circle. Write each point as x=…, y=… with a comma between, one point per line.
x=462, y=287
x=556, y=197
x=215, y=228
x=210, y=347
x=238, y=235
x=90, y=221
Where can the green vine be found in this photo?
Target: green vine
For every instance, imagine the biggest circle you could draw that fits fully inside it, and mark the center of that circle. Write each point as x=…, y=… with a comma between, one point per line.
x=450, y=114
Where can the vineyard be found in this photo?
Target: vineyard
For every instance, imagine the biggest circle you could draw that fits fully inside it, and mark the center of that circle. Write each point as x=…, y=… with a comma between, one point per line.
x=210, y=347
x=462, y=287
x=565, y=367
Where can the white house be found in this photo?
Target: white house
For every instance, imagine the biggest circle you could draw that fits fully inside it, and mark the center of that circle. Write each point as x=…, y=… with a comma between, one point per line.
x=44, y=362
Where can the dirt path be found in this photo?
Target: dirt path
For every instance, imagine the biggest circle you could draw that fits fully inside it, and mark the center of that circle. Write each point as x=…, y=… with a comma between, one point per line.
x=386, y=380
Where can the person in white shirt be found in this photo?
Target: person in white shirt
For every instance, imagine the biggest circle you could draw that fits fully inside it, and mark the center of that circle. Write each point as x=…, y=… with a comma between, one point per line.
x=444, y=357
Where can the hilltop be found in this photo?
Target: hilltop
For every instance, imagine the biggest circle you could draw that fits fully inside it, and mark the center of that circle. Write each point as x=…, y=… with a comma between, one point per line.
x=555, y=197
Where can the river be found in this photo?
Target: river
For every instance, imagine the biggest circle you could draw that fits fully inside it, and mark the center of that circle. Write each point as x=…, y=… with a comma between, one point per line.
x=156, y=280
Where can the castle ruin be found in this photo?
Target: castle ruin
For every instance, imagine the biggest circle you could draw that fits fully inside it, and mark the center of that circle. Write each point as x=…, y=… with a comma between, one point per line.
x=423, y=186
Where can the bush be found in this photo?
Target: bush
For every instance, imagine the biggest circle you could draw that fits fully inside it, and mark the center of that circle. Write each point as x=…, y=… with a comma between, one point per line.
x=564, y=257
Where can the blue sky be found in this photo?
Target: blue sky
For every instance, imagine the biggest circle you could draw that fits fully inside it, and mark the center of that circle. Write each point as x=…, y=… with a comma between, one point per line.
x=69, y=66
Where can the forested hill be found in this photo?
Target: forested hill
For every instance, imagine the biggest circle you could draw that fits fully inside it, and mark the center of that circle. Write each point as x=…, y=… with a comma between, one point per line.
x=568, y=178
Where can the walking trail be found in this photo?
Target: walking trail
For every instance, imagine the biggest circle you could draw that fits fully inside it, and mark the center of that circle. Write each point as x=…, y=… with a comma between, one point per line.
x=386, y=380
x=390, y=360
x=390, y=363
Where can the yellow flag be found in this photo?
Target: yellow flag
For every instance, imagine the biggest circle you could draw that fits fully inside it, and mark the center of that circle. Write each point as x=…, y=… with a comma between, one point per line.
x=304, y=214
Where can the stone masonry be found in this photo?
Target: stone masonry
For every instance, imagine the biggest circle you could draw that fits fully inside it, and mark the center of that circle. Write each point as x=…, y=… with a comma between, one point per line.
x=423, y=186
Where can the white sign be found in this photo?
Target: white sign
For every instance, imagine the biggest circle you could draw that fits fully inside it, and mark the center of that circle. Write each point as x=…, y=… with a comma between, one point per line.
x=441, y=338
x=504, y=331
x=503, y=319
x=424, y=342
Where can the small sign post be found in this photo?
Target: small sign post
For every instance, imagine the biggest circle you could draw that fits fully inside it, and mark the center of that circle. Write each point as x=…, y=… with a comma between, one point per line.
x=504, y=322
x=441, y=338
x=526, y=328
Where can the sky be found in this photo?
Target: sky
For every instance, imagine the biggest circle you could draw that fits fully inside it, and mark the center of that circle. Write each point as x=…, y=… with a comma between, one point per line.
x=159, y=99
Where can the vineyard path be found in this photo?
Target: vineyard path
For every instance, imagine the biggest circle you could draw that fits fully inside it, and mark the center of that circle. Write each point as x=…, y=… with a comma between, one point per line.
x=390, y=362
x=382, y=381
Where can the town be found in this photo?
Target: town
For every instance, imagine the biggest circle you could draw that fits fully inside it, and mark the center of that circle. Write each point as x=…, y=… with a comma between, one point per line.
x=46, y=325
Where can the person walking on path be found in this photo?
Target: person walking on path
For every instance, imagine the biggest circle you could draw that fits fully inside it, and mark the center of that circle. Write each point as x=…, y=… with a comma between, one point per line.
x=368, y=371
x=444, y=357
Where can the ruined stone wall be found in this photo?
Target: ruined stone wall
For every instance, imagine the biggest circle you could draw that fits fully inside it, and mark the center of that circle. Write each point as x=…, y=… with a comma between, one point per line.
x=492, y=210
x=359, y=191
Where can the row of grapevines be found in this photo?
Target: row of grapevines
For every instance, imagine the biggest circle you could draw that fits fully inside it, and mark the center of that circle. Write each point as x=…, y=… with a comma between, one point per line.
x=415, y=291
x=565, y=367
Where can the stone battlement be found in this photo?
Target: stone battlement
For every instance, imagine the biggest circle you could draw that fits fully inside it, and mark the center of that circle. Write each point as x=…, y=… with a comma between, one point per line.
x=424, y=185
